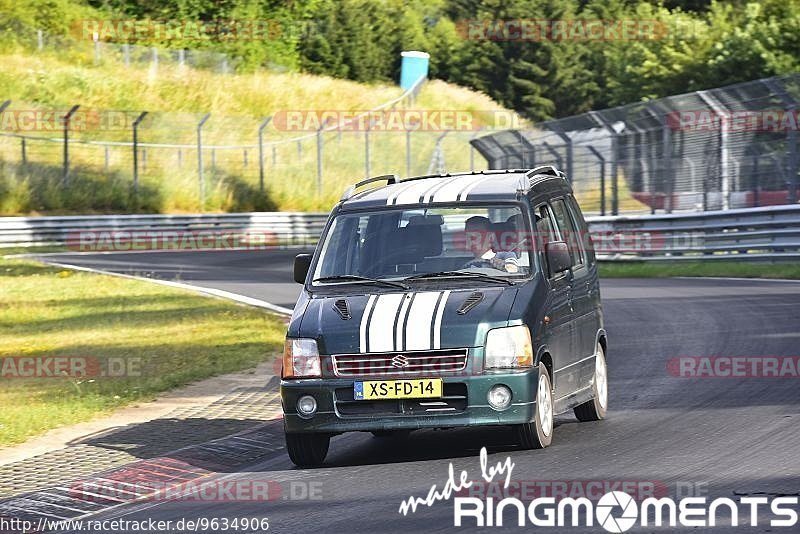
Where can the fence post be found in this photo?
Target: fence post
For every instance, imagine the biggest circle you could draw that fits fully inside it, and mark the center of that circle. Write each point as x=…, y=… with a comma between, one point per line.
x=136, y=123
x=244, y=158
x=554, y=152
x=126, y=54
x=24, y=152
x=261, y=127
x=791, y=137
x=67, y=118
x=106, y=158
x=521, y=147
x=568, y=142
x=667, y=150
x=602, y=160
x=601, y=121
x=155, y=58
x=39, y=40
x=96, y=39
x=719, y=110
x=366, y=148
x=408, y=152
x=319, y=156
x=200, y=178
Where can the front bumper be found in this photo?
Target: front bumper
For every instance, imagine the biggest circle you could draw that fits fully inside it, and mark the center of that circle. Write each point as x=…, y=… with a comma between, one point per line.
x=465, y=397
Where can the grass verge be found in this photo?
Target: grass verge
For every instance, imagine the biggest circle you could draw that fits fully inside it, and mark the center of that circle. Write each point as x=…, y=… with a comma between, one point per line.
x=638, y=269
x=157, y=338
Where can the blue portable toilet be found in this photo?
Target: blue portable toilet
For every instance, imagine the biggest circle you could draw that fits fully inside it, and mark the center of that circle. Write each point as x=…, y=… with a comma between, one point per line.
x=413, y=67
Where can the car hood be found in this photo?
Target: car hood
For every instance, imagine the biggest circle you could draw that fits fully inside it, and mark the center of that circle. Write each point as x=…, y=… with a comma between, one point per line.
x=403, y=321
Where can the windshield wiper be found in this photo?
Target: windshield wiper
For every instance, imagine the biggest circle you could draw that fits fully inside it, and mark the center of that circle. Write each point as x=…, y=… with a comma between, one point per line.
x=465, y=274
x=360, y=279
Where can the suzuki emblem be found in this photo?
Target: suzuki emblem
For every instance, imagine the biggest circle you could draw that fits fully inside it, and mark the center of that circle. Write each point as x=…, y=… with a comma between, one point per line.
x=400, y=361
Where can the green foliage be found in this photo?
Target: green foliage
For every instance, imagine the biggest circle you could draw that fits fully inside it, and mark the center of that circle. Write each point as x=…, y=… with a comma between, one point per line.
x=38, y=188
x=700, y=43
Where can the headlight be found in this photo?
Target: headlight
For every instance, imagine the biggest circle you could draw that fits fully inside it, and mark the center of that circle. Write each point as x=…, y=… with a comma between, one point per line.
x=300, y=359
x=508, y=348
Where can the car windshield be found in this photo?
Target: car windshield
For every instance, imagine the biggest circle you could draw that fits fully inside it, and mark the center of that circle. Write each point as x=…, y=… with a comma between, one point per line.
x=483, y=242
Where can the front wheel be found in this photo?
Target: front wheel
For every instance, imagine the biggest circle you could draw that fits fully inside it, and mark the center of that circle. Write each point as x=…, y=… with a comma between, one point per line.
x=307, y=450
x=595, y=409
x=539, y=433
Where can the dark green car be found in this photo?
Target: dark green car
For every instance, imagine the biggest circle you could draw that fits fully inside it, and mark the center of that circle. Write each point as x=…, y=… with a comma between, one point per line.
x=446, y=301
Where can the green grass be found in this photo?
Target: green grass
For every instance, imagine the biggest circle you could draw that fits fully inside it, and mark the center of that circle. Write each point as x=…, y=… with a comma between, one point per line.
x=637, y=269
x=173, y=336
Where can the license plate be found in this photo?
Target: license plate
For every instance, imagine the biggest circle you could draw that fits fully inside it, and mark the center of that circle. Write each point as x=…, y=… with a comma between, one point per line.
x=425, y=388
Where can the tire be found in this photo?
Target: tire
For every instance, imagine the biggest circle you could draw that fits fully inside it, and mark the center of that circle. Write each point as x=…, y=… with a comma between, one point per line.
x=595, y=409
x=538, y=434
x=307, y=450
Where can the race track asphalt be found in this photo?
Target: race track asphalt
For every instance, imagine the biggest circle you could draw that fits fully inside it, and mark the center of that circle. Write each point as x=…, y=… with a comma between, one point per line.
x=722, y=437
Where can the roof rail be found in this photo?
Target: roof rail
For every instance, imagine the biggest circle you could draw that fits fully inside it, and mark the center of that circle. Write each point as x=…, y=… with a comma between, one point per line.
x=350, y=191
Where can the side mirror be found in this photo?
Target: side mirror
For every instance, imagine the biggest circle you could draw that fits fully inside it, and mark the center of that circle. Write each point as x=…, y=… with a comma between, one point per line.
x=558, y=258
x=302, y=263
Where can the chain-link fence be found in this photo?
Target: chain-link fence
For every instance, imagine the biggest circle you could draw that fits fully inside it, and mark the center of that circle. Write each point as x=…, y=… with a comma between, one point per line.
x=724, y=148
x=99, y=52
x=196, y=161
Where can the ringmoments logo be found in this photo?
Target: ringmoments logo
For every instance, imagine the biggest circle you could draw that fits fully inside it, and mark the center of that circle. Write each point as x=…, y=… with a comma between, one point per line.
x=614, y=511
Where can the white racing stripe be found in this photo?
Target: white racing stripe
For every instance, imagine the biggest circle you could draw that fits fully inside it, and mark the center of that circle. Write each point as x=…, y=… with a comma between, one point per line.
x=470, y=187
x=403, y=321
x=452, y=191
x=411, y=194
x=429, y=194
x=420, y=321
x=380, y=330
x=437, y=322
x=365, y=322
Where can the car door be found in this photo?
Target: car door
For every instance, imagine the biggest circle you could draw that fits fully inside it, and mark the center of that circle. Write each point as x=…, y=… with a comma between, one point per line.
x=590, y=314
x=580, y=291
x=559, y=336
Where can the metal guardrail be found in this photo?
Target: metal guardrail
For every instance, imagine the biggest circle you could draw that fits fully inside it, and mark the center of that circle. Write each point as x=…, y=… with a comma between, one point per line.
x=276, y=228
x=770, y=233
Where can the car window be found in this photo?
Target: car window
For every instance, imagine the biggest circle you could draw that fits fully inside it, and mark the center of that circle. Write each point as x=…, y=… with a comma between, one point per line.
x=400, y=243
x=568, y=231
x=583, y=228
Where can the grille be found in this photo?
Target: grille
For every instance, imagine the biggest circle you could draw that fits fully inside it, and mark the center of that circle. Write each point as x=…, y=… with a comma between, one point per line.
x=400, y=363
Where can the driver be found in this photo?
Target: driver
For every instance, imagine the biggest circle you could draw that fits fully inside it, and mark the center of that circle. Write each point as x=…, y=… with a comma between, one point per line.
x=478, y=231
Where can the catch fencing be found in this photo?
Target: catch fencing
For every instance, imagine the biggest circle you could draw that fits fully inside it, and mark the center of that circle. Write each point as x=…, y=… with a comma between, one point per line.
x=726, y=148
